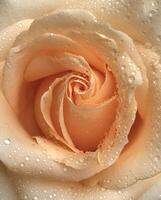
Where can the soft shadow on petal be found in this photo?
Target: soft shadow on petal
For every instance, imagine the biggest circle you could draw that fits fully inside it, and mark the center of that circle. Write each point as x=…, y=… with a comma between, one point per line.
x=9, y=34
x=7, y=189
x=153, y=192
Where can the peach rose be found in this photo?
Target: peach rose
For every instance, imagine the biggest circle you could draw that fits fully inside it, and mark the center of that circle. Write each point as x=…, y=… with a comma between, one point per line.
x=80, y=108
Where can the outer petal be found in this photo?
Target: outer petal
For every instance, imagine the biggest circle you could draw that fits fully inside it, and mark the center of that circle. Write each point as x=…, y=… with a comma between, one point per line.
x=153, y=192
x=121, y=15
x=23, y=155
x=9, y=34
x=13, y=11
x=7, y=189
x=47, y=189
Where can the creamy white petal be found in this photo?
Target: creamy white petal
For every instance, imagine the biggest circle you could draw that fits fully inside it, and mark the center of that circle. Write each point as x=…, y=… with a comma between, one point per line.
x=48, y=189
x=7, y=188
x=9, y=34
x=154, y=192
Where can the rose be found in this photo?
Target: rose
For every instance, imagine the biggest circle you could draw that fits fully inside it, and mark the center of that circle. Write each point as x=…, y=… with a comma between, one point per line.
x=45, y=164
x=40, y=165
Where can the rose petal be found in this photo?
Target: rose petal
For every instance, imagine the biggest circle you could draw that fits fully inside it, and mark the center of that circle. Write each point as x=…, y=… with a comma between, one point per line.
x=146, y=148
x=18, y=59
x=12, y=12
x=45, y=66
x=9, y=34
x=44, y=189
x=88, y=126
x=7, y=190
x=153, y=192
x=23, y=155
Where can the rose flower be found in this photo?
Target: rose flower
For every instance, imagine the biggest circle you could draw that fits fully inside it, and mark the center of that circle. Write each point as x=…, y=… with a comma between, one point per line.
x=80, y=101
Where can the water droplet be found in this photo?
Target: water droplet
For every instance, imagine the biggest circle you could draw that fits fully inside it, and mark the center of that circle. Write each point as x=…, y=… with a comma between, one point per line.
x=102, y=9
x=26, y=158
x=151, y=13
x=25, y=197
x=156, y=158
x=131, y=79
x=103, y=189
x=133, y=73
x=37, y=160
x=50, y=196
x=51, y=34
x=50, y=168
x=81, y=160
x=154, y=82
x=35, y=198
x=123, y=57
x=122, y=67
x=7, y=141
x=3, y=38
x=22, y=165
x=20, y=25
x=64, y=169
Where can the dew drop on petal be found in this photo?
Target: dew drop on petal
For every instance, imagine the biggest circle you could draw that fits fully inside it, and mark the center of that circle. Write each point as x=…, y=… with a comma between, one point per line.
x=7, y=141
x=20, y=25
x=131, y=79
x=25, y=197
x=51, y=34
x=64, y=169
x=154, y=82
x=27, y=158
x=22, y=165
x=35, y=198
x=103, y=9
x=122, y=67
x=156, y=158
x=103, y=189
x=37, y=160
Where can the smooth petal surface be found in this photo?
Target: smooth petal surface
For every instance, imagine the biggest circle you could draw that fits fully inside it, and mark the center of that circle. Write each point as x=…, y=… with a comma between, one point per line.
x=7, y=189
x=153, y=192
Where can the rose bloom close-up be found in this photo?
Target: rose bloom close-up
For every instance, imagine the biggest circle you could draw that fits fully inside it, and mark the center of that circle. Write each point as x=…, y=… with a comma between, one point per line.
x=80, y=100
